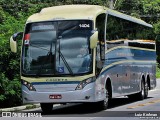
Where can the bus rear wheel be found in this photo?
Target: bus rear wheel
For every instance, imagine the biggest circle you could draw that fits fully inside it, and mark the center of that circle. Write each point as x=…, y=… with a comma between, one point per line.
x=46, y=107
x=144, y=91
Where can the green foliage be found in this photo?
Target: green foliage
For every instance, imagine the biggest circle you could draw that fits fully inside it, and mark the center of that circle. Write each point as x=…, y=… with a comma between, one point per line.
x=158, y=71
x=2, y=15
x=11, y=91
x=148, y=10
x=157, y=28
x=151, y=6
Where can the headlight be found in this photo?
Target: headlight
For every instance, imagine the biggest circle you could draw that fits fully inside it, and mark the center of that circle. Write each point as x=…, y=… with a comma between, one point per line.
x=28, y=85
x=83, y=83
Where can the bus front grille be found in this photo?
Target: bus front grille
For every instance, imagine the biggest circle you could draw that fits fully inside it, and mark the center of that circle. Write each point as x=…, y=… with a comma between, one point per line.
x=55, y=87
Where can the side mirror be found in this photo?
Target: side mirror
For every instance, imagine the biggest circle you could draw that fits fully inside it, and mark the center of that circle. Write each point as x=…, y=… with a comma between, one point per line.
x=93, y=40
x=13, y=41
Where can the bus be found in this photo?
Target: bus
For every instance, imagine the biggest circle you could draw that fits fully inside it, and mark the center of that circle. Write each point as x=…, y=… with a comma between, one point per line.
x=85, y=54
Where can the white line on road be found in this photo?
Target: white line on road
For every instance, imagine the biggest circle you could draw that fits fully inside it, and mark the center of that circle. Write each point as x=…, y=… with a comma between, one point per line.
x=91, y=118
x=154, y=90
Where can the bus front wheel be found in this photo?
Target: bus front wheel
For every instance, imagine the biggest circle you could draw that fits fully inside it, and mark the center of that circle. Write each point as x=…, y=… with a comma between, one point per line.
x=46, y=107
x=102, y=105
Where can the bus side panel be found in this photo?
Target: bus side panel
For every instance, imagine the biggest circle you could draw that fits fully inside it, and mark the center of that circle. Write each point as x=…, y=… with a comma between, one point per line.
x=125, y=66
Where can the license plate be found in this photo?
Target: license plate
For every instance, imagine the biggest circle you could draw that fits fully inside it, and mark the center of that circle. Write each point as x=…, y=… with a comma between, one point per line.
x=55, y=96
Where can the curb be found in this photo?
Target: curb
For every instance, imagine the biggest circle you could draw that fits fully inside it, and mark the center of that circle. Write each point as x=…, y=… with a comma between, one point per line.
x=19, y=108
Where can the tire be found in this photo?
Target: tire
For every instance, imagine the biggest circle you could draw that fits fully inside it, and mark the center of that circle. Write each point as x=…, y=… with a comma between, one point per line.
x=142, y=94
x=144, y=91
x=103, y=105
x=46, y=107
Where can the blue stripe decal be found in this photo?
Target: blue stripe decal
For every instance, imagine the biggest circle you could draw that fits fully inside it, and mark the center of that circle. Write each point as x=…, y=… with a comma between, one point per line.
x=107, y=70
x=66, y=82
x=127, y=63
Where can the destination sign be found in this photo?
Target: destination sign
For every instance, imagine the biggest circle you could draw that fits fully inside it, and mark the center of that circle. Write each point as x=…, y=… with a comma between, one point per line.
x=42, y=27
x=62, y=25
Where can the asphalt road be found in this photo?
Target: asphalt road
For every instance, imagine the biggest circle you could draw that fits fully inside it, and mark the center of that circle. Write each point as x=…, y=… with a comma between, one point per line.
x=119, y=109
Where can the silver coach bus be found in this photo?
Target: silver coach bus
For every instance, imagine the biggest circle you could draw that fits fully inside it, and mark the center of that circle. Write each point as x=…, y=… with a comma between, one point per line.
x=85, y=54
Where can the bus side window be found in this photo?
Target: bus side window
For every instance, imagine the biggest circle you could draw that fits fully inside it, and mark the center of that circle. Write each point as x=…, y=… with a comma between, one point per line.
x=117, y=28
x=117, y=31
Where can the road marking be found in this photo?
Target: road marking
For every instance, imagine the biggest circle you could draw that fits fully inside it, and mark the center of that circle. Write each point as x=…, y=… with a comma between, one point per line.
x=154, y=90
x=145, y=104
x=91, y=118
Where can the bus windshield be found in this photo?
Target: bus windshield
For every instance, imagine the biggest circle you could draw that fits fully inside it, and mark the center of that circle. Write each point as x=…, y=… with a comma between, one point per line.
x=57, y=48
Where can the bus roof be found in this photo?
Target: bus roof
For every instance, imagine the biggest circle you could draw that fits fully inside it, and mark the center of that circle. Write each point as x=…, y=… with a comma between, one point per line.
x=79, y=12
x=67, y=12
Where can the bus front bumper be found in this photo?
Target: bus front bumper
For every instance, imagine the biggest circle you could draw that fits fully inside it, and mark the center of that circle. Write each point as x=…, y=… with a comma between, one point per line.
x=87, y=94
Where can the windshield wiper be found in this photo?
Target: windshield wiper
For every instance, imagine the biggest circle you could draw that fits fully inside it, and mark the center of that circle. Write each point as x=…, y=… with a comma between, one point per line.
x=64, y=60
